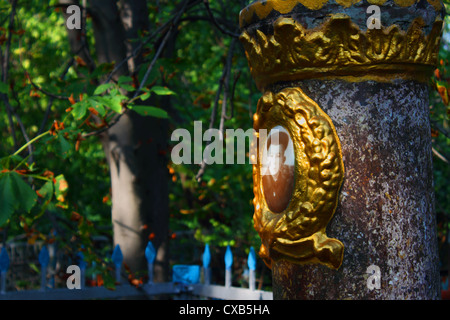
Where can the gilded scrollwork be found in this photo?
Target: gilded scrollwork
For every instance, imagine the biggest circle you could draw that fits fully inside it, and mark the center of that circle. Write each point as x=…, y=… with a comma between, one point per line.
x=298, y=233
x=263, y=8
x=339, y=48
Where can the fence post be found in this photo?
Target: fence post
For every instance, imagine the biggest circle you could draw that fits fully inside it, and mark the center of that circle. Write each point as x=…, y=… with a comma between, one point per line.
x=206, y=262
x=150, y=255
x=251, y=262
x=117, y=258
x=228, y=267
x=348, y=91
x=44, y=259
x=4, y=266
x=82, y=264
x=52, y=250
x=93, y=275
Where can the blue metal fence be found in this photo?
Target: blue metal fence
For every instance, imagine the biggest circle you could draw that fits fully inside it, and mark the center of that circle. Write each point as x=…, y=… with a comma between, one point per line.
x=185, y=279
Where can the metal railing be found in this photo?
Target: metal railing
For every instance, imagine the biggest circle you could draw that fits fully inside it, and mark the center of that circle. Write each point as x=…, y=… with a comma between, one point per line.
x=185, y=282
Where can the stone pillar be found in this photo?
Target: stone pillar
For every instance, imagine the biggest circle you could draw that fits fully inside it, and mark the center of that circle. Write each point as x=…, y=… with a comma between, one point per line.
x=347, y=80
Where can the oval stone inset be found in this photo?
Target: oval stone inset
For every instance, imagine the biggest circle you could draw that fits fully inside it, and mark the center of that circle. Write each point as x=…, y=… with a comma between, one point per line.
x=277, y=169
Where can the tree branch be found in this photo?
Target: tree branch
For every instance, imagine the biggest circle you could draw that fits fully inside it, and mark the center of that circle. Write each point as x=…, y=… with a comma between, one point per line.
x=440, y=128
x=233, y=91
x=152, y=64
x=161, y=47
x=214, y=21
x=172, y=21
x=223, y=82
x=250, y=86
x=171, y=25
x=19, y=120
x=50, y=102
x=226, y=83
x=440, y=156
x=47, y=93
x=5, y=69
x=115, y=119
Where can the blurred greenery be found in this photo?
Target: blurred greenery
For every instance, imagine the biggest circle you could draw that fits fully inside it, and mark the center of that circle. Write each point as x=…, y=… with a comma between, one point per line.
x=217, y=210
x=439, y=116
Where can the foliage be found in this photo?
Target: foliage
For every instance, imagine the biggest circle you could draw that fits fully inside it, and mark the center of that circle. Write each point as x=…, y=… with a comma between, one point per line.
x=52, y=110
x=54, y=107
x=440, y=132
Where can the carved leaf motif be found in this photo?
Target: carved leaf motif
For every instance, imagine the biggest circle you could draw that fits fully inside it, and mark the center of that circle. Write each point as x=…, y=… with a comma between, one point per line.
x=338, y=45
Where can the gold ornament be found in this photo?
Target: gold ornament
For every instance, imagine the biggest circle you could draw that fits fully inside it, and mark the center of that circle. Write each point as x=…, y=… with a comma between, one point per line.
x=340, y=49
x=298, y=233
x=263, y=8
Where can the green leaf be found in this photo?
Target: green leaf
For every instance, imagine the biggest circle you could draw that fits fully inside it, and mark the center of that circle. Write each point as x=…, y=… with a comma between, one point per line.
x=124, y=79
x=128, y=87
x=104, y=101
x=25, y=195
x=5, y=162
x=145, y=96
x=109, y=283
x=150, y=111
x=102, y=88
x=3, y=87
x=161, y=91
x=64, y=146
x=98, y=104
x=61, y=188
x=7, y=197
x=47, y=190
x=97, y=73
x=15, y=194
x=79, y=109
x=34, y=267
x=116, y=104
x=207, y=207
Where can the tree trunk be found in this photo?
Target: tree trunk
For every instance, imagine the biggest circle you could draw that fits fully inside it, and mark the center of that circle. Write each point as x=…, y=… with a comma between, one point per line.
x=135, y=146
x=386, y=215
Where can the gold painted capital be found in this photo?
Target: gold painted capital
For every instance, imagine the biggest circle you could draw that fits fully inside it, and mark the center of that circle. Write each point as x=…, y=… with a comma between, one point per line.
x=298, y=233
x=338, y=48
x=263, y=8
